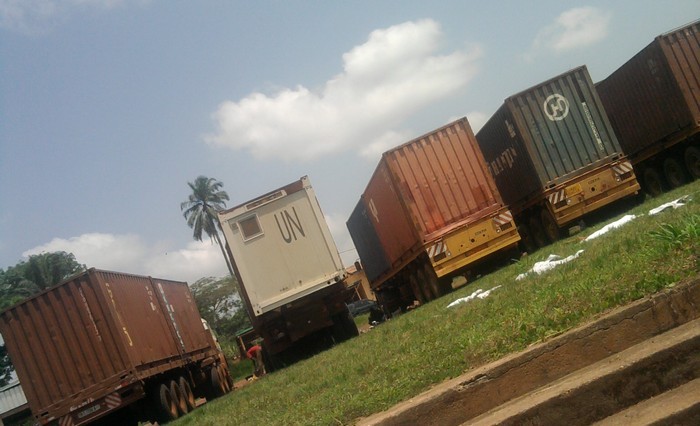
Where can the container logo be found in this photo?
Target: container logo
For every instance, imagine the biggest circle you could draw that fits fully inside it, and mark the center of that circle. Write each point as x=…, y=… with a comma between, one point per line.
x=556, y=107
x=292, y=225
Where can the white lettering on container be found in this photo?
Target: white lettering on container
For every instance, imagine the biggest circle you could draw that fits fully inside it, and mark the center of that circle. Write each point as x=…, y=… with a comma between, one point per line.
x=593, y=126
x=291, y=225
x=505, y=160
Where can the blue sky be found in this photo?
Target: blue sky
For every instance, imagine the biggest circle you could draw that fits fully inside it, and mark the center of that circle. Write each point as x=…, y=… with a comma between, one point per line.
x=109, y=107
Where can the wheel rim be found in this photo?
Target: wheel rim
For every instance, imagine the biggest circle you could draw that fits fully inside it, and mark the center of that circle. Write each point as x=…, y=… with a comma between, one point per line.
x=674, y=173
x=692, y=161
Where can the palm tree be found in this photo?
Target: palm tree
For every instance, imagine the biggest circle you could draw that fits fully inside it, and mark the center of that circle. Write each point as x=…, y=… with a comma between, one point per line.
x=200, y=210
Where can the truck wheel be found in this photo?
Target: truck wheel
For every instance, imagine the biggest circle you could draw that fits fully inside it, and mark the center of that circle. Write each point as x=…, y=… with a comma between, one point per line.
x=271, y=362
x=187, y=393
x=674, y=172
x=225, y=378
x=692, y=161
x=433, y=279
x=416, y=290
x=653, y=182
x=430, y=285
x=537, y=231
x=551, y=229
x=344, y=327
x=178, y=398
x=216, y=382
x=527, y=241
x=167, y=405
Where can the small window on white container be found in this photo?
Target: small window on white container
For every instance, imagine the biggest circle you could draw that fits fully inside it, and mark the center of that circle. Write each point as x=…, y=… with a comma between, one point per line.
x=250, y=227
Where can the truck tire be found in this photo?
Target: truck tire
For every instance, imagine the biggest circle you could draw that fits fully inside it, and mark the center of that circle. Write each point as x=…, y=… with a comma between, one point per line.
x=528, y=243
x=271, y=362
x=225, y=378
x=537, y=231
x=653, y=182
x=674, y=172
x=551, y=229
x=178, y=398
x=186, y=390
x=433, y=280
x=216, y=382
x=344, y=327
x=691, y=158
x=167, y=407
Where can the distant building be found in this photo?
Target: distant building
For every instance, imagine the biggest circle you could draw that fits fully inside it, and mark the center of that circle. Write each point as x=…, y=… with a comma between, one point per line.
x=13, y=403
x=357, y=281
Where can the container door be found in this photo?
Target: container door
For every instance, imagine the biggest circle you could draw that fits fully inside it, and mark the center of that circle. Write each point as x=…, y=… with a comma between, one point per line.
x=564, y=126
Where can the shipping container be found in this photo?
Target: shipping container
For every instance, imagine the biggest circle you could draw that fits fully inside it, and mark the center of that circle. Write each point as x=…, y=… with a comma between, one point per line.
x=290, y=271
x=104, y=340
x=366, y=241
x=653, y=103
x=554, y=156
x=431, y=209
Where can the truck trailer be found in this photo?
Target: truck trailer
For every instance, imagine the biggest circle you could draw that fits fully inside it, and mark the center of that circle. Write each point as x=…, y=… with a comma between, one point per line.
x=430, y=210
x=290, y=273
x=102, y=341
x=653, y=103
x=555, y=157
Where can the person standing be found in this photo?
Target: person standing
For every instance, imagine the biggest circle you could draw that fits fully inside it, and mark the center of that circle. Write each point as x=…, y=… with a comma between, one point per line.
x=255, y=354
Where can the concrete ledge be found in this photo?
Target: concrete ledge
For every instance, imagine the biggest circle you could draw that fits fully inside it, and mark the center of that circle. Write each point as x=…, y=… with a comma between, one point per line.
x=676, y=406
x=606, y=387
x=483, y=388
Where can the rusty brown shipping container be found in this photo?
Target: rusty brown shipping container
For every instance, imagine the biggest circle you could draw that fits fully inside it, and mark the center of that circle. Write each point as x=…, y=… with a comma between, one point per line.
x=430, y=209
x=554, y=156
x=653, y=102
x=103, y=340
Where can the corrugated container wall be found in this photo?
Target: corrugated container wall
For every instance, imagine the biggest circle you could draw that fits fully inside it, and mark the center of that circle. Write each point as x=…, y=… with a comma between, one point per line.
x=656, y=94
x=91, y=331
x=421, y=188
x=366, y=241
x=546, y=135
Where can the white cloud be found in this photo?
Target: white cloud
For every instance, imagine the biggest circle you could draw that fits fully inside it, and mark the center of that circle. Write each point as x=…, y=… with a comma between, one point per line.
x=573, y=29
x=374, y=150
x=39, y=16
x=395, y=73
x=130, y=254
x=477, y=119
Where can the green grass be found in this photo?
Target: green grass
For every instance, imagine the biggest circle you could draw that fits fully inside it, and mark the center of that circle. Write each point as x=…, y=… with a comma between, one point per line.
x=361, y=320
x=408, y=354
x=240, y=369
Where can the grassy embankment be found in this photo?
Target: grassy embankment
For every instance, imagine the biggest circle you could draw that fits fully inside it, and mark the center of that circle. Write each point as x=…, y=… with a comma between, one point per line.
x=408, y=354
